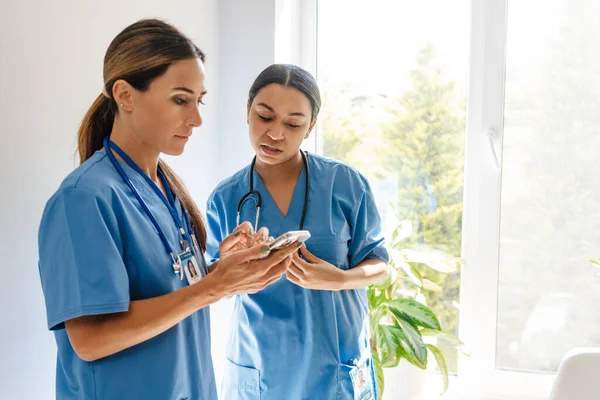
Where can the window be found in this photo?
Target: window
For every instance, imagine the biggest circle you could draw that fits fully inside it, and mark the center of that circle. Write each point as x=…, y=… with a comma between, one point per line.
x=402, y=83
x=548, y=290
x=393, y=77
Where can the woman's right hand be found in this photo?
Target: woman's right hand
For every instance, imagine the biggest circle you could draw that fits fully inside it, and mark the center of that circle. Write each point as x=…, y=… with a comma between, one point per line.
x=252, y=269
x=243, y=237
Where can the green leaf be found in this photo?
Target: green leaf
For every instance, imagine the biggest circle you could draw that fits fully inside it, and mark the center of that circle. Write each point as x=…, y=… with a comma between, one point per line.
x=448, y=337
x=410, y=270
x=431, y=286
x=371, y=295
x=384, y=284
x=414, y=313
x=438, y=262
x=402, y=232
x=417, y=273
x=388, y=343
x=413, y=347
x=375, y=297
x=597, y=262
x=379, y=378
x=441, y=362
x=459, y=260
x=375, y=316
x=388, y=282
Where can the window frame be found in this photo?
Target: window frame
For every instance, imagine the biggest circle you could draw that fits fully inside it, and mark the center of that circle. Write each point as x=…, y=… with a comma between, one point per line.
x=477, y=376
x=481, y=213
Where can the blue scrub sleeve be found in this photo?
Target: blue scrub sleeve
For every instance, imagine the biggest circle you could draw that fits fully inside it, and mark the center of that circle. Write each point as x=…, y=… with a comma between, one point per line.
x=81, y=257
x=214, y=234
x=367, y=234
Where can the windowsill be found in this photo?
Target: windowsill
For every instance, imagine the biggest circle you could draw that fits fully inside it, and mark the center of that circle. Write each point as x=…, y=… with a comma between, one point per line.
x=461, y=390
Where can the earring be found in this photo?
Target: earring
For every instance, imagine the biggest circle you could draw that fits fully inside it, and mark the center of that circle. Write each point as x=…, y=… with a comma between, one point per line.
x=121, y=105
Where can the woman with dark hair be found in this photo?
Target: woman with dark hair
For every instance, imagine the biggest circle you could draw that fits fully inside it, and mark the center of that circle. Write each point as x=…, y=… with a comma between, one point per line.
x=113, y=237
x=305, y=336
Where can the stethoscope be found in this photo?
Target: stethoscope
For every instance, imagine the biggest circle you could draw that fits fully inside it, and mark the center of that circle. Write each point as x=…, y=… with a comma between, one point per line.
x=187, y=236
x=258, y=198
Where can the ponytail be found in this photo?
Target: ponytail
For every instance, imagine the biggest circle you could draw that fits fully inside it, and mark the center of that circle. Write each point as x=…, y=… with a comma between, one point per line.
x=181, y=192
x=96, y=125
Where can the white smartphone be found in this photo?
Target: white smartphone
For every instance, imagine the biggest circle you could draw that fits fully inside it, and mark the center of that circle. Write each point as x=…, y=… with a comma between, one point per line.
x=288, y=238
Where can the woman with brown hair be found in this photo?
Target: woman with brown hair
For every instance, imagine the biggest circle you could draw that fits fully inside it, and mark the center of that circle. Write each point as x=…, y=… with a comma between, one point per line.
x=114, y=238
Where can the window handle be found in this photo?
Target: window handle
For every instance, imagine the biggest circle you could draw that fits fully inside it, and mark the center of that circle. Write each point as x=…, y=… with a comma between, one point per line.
x=490, y=133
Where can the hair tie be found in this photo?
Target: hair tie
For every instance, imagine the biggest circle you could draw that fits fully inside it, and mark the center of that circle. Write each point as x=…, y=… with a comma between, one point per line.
x=105, y=93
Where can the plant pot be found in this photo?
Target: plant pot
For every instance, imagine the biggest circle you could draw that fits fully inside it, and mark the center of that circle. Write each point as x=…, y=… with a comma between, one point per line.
x=404, y=382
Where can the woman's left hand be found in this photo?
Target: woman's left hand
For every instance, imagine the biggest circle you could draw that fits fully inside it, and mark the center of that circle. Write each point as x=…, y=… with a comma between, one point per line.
x=313, y=272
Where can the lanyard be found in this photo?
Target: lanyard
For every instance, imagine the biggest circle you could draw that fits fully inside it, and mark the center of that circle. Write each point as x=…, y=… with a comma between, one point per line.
x=169, y=203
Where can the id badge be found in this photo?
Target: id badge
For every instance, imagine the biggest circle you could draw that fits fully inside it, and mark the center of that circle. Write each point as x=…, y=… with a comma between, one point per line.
x=198, y=252
x=362, y=381
x=193, y=271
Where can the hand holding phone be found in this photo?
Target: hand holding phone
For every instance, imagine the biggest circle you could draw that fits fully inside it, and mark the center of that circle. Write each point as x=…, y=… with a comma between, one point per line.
x=288, y=238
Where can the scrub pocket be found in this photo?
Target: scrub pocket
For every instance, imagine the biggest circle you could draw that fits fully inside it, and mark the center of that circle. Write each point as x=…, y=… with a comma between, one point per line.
x=345, y=390
x=355, y=382
x=240, y=383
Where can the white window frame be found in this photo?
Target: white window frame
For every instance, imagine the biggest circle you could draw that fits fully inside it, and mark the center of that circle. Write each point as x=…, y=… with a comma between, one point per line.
x=478, y=376
x=296, y=43
x=481, y=214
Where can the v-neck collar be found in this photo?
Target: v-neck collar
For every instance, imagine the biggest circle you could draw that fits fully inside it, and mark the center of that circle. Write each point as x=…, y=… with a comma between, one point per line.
x=143, y=187
x=292, y=220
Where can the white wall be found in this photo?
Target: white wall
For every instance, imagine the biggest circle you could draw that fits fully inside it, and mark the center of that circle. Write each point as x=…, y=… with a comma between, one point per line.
x=246, y=47
x=51, y=56
x=50, y=71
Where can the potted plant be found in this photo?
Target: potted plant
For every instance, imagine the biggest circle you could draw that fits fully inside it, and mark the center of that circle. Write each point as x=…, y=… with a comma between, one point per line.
x=400, y=322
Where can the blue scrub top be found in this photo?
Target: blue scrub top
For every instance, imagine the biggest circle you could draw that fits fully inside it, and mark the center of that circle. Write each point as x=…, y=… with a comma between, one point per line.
x=287, y=342
x=98, y=251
